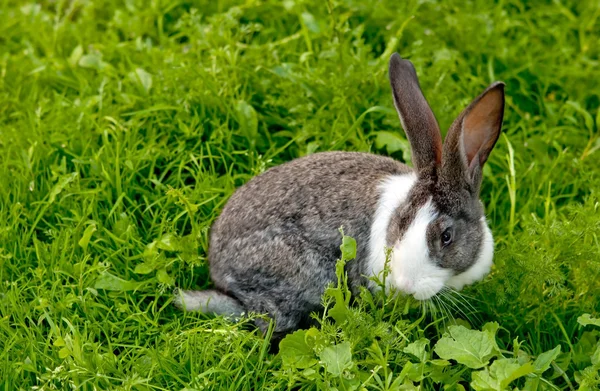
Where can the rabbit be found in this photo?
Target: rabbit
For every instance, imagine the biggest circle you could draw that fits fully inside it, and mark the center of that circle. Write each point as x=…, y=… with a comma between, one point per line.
x=274, y=247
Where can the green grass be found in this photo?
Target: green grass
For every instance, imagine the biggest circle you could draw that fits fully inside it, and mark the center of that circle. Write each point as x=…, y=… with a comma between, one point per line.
x=125, y=126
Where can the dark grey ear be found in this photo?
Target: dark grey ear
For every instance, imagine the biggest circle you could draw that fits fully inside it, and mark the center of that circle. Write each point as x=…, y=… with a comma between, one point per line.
x=417, y=119
x=472, y=137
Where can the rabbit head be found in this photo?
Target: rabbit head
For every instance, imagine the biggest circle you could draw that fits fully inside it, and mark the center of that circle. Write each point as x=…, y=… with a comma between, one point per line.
x=438, y=234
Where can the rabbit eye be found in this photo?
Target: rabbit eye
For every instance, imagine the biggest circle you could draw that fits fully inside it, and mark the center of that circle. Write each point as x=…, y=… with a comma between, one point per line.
x=447, y=237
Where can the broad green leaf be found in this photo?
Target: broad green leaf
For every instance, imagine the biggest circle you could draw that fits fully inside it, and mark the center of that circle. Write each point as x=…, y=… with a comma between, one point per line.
x=348, y=248
x=408, y=386
x=459, y=322
x=248, y=120
x=508, y=375
x=583, y=349
x=64, y=352
x=491, y=328
x=396, y=384
x=349, y=383
x=87, y=235
x=59, y=341
x=75, y=55
x=28, y=365
x=151, y=252
x=110, y=282
x=310, y=373
x=122, y=225
x=544, y=360
x=168, y=242
x=596, y=356
x=62, y=183
x=337, y=358
x=315, y=339
x=468, y=347
x=93, y=61
x=295, y=352
x=482, y=381
x=310, y=22
x=440, y=373
x=164, y=278
x=586, y=319
x=532, y=384
x=393, y=142
x=414, y=372
x=339, y=312
x=144, y=268
x=587, y=117
x=500, y=374
x=418, y=349
x=143, y=78
x=417, y=372
x=405, y=370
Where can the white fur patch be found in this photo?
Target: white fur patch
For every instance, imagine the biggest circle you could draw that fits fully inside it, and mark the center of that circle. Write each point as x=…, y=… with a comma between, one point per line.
x=413, y=272
x=394, y=190
x=411, y=268
x=481, y=267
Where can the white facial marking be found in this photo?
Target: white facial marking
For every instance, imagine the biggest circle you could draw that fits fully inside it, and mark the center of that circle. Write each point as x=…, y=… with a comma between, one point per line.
x=394, y=190
x=411, y=269
x=481, y=267
x=413, y=272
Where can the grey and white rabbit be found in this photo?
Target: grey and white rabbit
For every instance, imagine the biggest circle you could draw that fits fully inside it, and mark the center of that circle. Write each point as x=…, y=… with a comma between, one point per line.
x=274, y=247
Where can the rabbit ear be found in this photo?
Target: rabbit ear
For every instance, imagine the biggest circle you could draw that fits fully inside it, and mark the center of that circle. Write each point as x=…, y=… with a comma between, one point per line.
x=472, y=137
x=417, y=119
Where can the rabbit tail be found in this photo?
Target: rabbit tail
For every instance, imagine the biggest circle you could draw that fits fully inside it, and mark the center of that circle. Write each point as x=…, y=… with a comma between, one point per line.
x=208, y=301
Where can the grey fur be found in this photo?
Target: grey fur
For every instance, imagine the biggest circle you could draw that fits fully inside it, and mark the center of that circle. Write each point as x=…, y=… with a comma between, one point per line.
x=210, y=301
x=274, y=246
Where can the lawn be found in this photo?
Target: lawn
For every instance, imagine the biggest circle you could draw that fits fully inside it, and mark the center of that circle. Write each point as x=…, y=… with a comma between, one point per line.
x=126, y=125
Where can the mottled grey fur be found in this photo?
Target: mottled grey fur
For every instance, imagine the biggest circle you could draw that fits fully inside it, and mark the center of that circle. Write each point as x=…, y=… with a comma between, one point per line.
x=273, y=248
x=275, y=244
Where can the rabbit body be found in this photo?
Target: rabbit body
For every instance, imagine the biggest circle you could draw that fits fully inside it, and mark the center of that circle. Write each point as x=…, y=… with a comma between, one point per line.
x=273, y=248
x=275, y=245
